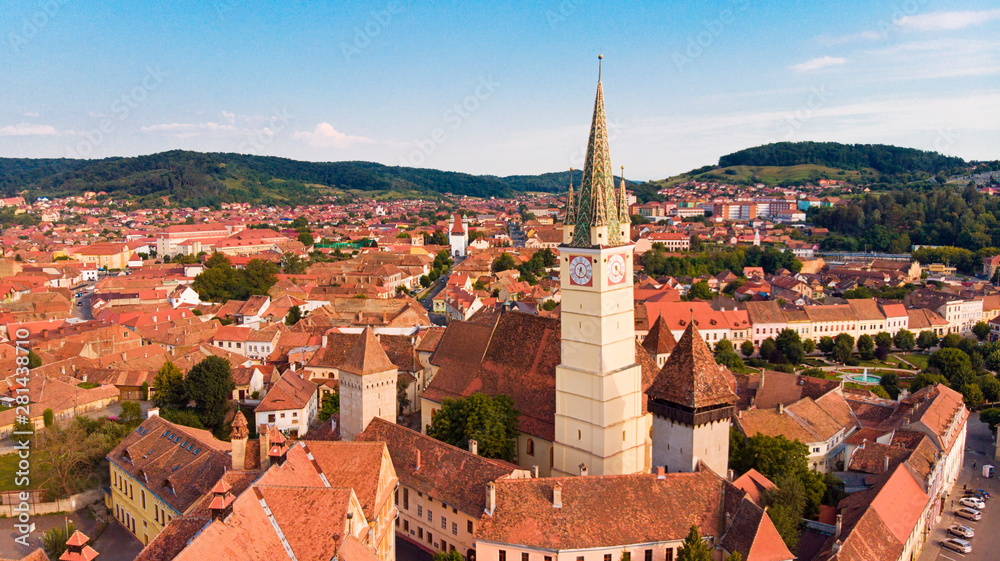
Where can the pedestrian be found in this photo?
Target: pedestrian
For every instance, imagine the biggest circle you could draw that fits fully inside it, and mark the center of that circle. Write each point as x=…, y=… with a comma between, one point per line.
x=973, y=464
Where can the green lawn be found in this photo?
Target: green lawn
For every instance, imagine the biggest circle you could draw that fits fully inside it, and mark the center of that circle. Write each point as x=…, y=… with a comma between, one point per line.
x=918, y=360
x=8, y=473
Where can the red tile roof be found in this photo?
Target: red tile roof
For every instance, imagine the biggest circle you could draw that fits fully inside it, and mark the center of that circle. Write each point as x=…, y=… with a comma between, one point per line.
x=367, y=356
x=691, y=377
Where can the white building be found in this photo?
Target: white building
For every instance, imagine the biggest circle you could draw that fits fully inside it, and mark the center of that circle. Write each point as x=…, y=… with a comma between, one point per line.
x=290, y=405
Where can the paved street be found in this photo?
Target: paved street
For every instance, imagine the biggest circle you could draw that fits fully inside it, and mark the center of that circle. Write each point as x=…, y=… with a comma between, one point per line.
x=986, y=544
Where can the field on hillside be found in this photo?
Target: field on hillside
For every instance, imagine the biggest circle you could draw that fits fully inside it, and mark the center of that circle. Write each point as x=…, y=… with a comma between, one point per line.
x=770, y=175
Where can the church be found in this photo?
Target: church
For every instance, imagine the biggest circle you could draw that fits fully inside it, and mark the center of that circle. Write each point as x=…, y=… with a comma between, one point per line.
x=592, y=400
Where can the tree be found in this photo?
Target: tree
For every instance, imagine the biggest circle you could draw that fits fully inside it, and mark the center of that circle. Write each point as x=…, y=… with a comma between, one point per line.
x=293, y=316
x=292, y=264
x=842, y=351
x=491, y=421
x=169, y=384
x=437, y=238
x=131, y=413
x=786, y=507
x=34, y=361
x=306, y=239
x=210, y=385
x=991, y=417
x=866, y=346
x=504, y=262
x=734, y=556
x=694, y=548
x=951, y=340
x=904, y=340
x=883, y=339
x=768, y=349
x=990, y=386
x=775, y=457
x=726, y=356
x=808, y=345
x=789, y=344
x=925, y=379
x=746, y=348
x=54, y=540
x=700, y=291
x=972, y=395
x=927, y=339
x=330, y=406
x=890, y=381
x=952, y=364
x=448, y=556
x=845, y=338
x=144, y=391
x=63, y=454
x=879, y=391
x=48, y=417
x=881, y=353
x=826, y=344
x=425, y=281
x=300, y=222
x=981, y=330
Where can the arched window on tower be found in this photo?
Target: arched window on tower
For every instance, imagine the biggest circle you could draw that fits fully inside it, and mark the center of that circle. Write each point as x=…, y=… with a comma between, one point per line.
x=531, y=447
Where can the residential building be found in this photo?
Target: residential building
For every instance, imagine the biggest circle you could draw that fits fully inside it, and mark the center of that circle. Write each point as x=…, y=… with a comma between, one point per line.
x=290, y=405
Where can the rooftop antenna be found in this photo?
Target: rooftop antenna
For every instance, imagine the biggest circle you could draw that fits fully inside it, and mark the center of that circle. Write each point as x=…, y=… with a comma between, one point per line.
x=599, y=59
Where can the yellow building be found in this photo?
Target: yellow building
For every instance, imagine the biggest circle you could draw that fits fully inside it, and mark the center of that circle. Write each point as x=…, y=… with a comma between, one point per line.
x=107, y=255
x=160, y=471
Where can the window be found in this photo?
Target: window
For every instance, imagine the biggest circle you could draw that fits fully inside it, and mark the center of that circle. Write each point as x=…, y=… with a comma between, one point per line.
x=531, y=447
x=444, y=523
x=454, y=528
x=649, y=555
x=142, y=495
x=607, y=557
x=469, y=526
x=406, y=525
x=548, y=558
x=430, y=537
x=420, y=511
x=406, y=499
x=430, y=516
x=503, y=555
x=670, y=555
x=270, y=418
x=420, y=533
x=524, y=557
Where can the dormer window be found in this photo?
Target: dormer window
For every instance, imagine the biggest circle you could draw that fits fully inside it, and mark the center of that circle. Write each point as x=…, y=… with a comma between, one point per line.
x=169, y=486
x=126, y=456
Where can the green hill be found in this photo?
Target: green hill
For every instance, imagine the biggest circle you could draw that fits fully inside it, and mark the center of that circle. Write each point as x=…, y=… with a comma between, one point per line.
x=205, y=179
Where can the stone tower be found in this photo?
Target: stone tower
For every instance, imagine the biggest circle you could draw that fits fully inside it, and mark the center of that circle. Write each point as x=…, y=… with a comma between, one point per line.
x=238, y=437
x=599, y=424
x=458, y=235
x=367, y=386
x=691, y=400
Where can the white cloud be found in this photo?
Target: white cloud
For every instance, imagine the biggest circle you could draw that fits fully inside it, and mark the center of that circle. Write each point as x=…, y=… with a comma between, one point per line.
x=230, y=117
x=189, y=130
x=937, y=21
x=817, y=63
x=32, y=114
x=28, y=129
x=832, y=40
x=325, y=136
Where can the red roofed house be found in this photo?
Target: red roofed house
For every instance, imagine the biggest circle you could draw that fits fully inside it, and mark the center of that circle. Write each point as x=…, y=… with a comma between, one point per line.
x=458, y=235
x=290, y=405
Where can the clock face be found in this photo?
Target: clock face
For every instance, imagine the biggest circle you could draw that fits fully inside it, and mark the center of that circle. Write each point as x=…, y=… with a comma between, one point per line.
x=581, y=271
x=616, y=269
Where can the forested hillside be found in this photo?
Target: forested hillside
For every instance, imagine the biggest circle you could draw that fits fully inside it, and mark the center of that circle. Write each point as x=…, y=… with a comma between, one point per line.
x=879, y=157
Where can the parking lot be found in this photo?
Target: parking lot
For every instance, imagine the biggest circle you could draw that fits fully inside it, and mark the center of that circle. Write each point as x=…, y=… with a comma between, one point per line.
x=986, y=543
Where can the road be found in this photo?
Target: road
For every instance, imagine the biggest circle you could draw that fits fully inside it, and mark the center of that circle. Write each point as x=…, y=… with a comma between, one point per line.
x=81, y=307
x=986, y=544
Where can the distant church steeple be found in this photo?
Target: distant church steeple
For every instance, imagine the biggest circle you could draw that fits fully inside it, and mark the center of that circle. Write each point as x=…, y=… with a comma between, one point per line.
x=570, y=203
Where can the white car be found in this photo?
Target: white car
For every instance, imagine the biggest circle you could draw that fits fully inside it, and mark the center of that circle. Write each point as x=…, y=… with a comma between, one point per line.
x=961, y=531
x=969, y=513
x=958, y=545
x=972, y=502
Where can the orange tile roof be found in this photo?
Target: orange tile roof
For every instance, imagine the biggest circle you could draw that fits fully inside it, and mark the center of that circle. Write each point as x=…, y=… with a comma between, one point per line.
x=367, y=356
x=691, y=377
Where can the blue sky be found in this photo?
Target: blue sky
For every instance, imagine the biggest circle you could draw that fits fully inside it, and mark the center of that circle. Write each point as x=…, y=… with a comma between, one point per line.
x=495, y=87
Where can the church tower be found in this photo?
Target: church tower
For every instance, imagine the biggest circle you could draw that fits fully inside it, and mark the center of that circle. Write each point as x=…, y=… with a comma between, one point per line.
x=691, y=400
x=599, y=424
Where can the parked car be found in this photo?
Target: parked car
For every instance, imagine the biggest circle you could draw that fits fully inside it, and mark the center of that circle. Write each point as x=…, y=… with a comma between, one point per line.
x=972, y=502
x=958, y=545
x=984, y=493
x=961, y=531
x=969, y=513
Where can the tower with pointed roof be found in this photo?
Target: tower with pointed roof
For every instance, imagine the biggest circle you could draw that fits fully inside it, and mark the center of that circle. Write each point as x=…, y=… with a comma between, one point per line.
x=691, y=400
x=599, y=422
x=367, y=386
x=458, y=235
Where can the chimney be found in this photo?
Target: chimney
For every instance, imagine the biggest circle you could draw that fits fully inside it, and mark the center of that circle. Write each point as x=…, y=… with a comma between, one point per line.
x=731, y=474
x=153, y=412
x=729, y=521
x=474, y=446
x=885, y=464
x=557, y=496
x=534, y=471
x=416, y=461
x=661, y=472
x=491, y=497
x=583, y=470
x=840, y=521
x=265, y=445
x=222, y=501
x=781, y=408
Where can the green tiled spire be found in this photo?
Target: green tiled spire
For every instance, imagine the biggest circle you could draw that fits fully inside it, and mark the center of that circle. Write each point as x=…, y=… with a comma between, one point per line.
x=598, y=203
x=623, y=214
x=570, y=203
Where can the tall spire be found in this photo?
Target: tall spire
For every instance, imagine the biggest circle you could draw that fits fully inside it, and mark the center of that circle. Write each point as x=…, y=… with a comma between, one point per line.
x=597, y=206
x=623, y=214
x=570, y=203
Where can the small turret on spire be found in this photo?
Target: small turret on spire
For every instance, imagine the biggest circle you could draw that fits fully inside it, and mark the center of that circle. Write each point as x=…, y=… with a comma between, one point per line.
x=570, y=203
x=623, y=215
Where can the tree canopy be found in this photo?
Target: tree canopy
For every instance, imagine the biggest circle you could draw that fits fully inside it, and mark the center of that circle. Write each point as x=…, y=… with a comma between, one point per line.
x=491, y=421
